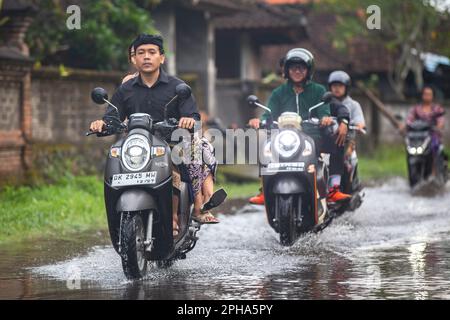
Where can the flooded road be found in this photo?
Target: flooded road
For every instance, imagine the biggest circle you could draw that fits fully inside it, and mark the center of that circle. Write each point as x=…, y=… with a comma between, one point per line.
x=394, y=247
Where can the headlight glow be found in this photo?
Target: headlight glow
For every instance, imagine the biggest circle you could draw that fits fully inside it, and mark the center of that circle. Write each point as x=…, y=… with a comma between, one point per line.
x=136, y=152
x=287, y=143
x=412, y=150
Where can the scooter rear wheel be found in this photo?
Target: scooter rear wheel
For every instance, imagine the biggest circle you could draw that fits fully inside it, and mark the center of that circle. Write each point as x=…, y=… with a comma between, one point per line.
x=132, y=238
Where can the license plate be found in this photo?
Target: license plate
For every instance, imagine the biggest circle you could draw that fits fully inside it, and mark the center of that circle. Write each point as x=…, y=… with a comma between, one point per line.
x=285, y=167
x=134, y=179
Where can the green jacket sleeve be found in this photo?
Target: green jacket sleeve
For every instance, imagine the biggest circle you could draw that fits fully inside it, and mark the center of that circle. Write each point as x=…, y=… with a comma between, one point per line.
x=272, y=105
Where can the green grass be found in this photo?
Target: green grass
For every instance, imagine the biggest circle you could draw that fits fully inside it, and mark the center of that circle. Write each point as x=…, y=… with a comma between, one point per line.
x=386, y=161
x=72, y=205
x=239, y=190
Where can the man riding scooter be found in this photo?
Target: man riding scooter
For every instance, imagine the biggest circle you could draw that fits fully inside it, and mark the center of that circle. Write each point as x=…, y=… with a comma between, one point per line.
x=298, y=94
x=150, y=92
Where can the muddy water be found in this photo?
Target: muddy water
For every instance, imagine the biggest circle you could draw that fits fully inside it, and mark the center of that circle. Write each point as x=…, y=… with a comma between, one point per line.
x=394, y=247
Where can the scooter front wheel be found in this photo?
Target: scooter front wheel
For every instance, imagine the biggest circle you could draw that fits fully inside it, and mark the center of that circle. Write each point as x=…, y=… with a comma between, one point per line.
x=132, y=251
x=287, y=213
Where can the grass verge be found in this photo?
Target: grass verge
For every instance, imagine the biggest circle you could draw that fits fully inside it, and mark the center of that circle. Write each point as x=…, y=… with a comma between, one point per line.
x=387, y=161
x=72, y=205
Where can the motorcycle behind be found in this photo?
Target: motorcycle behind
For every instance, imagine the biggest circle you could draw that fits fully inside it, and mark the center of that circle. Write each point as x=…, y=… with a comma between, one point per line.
x=425, y=171
x=294, y=176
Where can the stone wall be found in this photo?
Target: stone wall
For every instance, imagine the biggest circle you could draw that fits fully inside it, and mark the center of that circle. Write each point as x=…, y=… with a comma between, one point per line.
x=61, y=106
x=54, y=114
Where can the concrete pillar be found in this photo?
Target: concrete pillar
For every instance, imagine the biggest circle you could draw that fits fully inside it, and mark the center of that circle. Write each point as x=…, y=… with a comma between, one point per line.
x=165, y=23
x=250, y=66
x=171, y=44
x=211, y=66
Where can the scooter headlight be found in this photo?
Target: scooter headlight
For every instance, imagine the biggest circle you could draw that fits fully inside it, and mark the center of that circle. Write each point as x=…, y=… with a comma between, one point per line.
x=419, y=150
x=287, y=143
x=136, y=152
x=412, y=150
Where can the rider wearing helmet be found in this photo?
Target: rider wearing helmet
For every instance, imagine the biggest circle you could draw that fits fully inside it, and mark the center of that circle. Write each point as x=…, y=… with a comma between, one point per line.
x=339, y=83
x=297, y=94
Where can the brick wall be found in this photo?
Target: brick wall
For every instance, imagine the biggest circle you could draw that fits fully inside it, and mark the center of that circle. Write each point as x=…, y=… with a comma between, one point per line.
x=14, y=119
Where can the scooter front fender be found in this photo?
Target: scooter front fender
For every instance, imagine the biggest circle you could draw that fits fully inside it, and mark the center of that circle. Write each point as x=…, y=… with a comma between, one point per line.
x=135, y=200
x=288, y=185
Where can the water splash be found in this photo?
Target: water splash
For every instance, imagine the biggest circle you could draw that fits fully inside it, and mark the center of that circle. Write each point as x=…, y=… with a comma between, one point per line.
x=373, y=252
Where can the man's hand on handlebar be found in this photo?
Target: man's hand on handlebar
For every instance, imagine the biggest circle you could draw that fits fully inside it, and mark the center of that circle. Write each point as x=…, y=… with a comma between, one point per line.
x=342, y=134
x=254, y=123
x=97, y=126
x=186, y=123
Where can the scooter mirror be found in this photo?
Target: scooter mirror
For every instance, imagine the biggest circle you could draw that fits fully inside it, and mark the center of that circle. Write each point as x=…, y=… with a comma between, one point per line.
x=327, y=97
x=99, y=95
x=252, y=100
x=183, y=91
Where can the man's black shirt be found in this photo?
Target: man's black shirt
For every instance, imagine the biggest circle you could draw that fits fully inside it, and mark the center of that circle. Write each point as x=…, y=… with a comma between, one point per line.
x=134, y=96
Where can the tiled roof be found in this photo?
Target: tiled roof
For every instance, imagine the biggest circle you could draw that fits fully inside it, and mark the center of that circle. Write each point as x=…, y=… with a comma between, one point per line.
x=220, y=5
x=262, y=16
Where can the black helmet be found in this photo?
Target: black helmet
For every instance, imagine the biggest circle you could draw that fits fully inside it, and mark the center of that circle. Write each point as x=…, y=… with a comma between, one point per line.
x=339, y=77
x=299, y=55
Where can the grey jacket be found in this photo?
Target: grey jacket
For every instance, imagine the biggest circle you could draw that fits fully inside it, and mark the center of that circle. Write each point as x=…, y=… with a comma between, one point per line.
x=356, y=113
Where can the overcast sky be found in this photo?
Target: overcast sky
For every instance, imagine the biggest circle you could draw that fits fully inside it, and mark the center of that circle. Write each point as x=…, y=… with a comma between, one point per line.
x=444, y=4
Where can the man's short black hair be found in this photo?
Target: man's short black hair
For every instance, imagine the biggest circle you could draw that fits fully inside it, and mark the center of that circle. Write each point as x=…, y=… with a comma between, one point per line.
x=130, y=51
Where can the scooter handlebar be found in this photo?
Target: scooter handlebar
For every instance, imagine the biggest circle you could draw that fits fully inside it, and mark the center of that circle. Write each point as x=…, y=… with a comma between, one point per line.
x=357, y=129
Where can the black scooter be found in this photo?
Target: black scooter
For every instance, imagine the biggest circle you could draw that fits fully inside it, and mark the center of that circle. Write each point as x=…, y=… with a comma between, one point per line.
x=423, y=170
x=350, y=182
x=294, y=177
x=138, y=191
